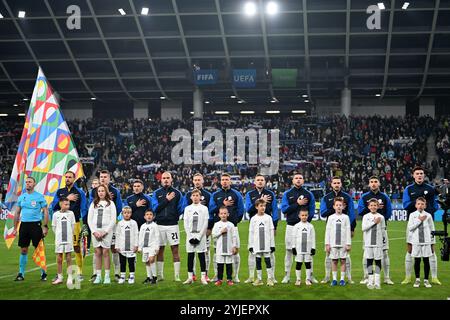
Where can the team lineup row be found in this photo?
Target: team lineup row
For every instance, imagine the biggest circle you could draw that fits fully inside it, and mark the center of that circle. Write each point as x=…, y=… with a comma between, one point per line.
x=219, y=214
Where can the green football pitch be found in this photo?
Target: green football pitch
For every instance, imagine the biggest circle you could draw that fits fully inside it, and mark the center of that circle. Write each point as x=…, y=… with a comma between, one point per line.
x=33, y=288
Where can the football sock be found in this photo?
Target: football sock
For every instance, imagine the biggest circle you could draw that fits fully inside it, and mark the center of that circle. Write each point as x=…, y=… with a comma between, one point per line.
x=79, y=261
x=433, y=265
x=23, y=259
x=386, y=262
x=408, y=265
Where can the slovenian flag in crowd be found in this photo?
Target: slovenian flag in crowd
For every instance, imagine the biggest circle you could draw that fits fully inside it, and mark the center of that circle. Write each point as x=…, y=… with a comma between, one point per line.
x=46, y=151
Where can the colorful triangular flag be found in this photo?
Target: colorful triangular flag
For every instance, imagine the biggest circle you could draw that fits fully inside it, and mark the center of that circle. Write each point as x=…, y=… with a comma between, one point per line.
x=39, y=256
x=46, y=151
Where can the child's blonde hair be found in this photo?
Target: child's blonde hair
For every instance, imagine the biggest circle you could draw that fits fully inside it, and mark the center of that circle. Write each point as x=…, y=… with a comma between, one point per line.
x=126, y=208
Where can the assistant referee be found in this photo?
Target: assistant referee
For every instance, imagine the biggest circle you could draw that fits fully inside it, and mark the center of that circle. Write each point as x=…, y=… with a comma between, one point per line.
x=30, y=206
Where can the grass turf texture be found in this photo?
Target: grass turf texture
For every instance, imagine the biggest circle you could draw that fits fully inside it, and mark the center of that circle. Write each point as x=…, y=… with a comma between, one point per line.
x=33, y=288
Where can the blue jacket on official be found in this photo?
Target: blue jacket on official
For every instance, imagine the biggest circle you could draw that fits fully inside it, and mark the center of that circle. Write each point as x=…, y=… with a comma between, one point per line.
x=326, y=206
x=79, y=207
x=414, y=191
x=236, y=211
x=363, y=202
x=291, y=208
x=167, y=213
x=271, y=208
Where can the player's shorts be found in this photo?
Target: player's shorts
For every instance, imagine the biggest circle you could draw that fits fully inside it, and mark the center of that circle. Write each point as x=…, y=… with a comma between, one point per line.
x=64, y=248
x=169, y=235
x=303, y=257
x=375, y=253
x=262, y=255
x=128, y=254
x=106, y=242
x=386, y=242
x=30, y=232
x=201, y=247
x=208, y=241
x=289, y=237
x=421, y=251
x=338, y=253
x=77, y=234
x=238, y=239
x=149, y=252
x=224, y=259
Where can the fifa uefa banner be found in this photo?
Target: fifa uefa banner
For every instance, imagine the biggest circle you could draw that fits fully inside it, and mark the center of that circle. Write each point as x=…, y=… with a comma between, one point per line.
x=284, y=77
x=244, y=78
x=205, y=76
x=46, y=151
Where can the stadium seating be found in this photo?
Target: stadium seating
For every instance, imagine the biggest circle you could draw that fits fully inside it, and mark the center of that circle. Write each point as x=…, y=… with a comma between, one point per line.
x=354, y=148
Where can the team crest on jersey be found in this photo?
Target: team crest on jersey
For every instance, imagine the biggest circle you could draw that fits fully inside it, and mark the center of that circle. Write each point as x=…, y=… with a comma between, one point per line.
x=230, y=198
x=380, y=201
x=426, y=192
x=202, y=198
x=301, y=197
x=33, y=203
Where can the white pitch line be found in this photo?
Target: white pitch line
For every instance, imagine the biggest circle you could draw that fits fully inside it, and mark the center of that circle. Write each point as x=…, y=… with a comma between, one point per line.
x=35, y=269
x=278, y=245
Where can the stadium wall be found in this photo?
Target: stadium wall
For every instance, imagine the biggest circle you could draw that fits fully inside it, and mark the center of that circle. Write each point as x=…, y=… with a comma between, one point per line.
x=140, y=110
x=370, y=107
x=427, y=109
x=77, y=110
x=171, y=110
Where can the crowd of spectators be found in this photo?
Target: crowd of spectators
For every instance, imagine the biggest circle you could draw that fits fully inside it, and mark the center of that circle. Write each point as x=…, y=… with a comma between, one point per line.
x=10, y=133
x=354, y=148
x=443, y=144
x=321, y=147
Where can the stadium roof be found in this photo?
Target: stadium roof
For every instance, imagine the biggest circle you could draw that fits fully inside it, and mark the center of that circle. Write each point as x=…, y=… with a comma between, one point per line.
x=141, y=57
